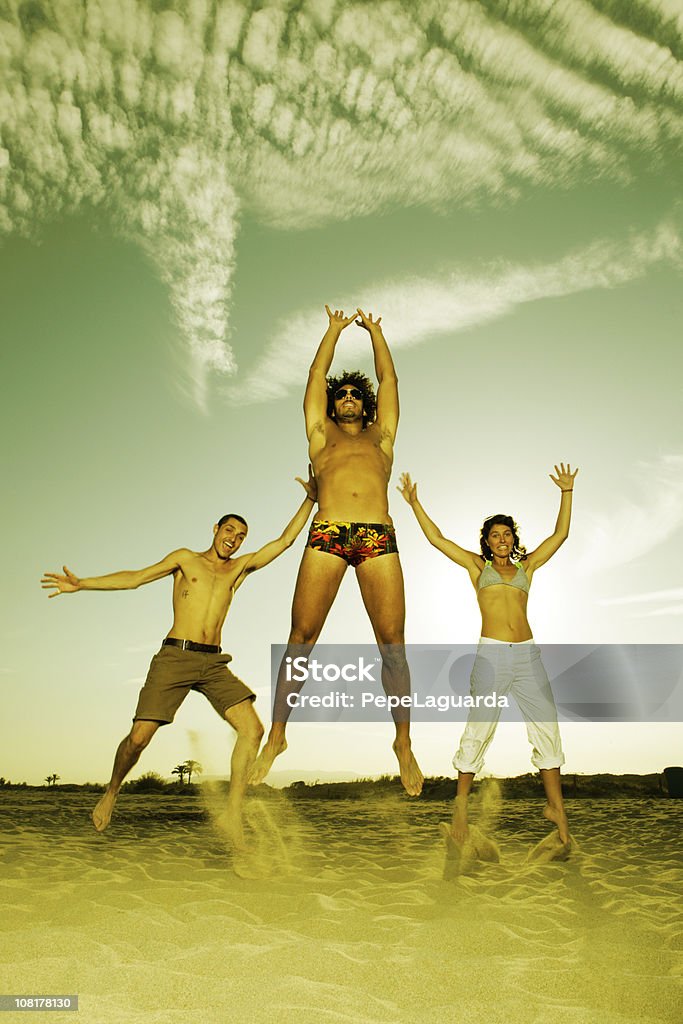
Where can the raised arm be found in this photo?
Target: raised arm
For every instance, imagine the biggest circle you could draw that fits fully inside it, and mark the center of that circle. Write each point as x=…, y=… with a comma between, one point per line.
x=547, y=548
x=467, y=559
x=273, y=548
x=387, y=391
x=315, y=398
x=126, y=580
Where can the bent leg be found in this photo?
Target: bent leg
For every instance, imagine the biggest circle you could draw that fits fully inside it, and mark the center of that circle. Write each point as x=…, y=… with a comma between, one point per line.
x=469, y=760
x=127, y=755
x=247, y=724
x=381, y=585
x=535, y=698
x=479, y=730
x=475, y=741
x=554, y=809
x=320, y=575
x=490, y=674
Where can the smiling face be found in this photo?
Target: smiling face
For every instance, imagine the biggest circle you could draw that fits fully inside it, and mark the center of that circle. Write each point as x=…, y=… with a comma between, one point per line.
x=500, y=539
x=228, y=537
x=348, y=404
x=354, y=389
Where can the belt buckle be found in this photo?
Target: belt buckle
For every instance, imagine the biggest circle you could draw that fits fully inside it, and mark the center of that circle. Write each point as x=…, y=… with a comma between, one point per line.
x=186, y=645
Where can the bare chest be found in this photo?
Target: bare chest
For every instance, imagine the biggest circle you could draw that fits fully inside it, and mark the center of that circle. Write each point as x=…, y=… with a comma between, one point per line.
x=196, y=584
x=362, y=451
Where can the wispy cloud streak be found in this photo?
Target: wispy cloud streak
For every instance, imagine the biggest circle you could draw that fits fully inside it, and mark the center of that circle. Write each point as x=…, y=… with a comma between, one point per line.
x=675, y=594
x=636, y=525
x=423, y=309
x=173, y=120
x=673, y=609
x=662, y=598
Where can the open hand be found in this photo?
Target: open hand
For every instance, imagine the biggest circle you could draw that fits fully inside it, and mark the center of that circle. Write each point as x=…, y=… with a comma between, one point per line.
x=311, y=485
x=66, y=584
x=365, y=320
x=564, y=478
x=337, y=318
x=407, y=488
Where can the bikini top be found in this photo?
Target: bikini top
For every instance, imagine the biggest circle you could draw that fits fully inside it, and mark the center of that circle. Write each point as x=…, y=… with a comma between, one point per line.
x=490, y=577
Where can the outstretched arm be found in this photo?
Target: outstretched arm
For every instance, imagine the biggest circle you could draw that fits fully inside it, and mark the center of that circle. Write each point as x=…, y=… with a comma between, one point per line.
x=387, y=392
x=126, y=580
x=468, y=559
x=545, y=550
x=315, y=398
x=270, y=551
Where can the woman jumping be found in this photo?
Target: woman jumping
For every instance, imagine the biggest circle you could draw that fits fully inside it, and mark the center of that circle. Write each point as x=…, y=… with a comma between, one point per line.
x=507, y=659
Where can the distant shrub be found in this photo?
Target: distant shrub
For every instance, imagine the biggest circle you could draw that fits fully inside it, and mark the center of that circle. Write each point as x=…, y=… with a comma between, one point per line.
x=150, y=782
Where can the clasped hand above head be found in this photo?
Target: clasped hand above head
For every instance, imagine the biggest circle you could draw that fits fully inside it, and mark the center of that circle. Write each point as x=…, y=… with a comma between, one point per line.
x=360, y=318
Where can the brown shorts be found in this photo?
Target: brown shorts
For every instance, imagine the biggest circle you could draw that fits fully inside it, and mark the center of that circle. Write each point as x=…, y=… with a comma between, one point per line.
x=173, y=672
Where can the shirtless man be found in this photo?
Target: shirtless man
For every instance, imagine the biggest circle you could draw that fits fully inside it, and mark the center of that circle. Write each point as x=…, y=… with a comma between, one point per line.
x=507, y=658
x=352, y=453
x=190, y=657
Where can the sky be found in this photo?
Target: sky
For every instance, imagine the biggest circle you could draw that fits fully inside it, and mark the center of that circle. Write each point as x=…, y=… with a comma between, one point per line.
x=182, y=189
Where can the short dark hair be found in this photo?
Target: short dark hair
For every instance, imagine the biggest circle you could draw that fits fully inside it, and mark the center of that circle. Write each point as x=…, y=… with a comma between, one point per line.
x=232, y=515
x=518, y=550
x=364, y=385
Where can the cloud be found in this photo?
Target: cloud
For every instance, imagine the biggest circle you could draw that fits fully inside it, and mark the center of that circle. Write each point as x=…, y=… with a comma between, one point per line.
x=674, y=609
x=422, y=309
x=674, y=594
x=636, y=525
x=666, y=599
x=173, y=121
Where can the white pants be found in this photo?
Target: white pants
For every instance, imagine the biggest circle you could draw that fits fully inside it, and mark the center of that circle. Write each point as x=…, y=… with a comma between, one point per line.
x=516, y=669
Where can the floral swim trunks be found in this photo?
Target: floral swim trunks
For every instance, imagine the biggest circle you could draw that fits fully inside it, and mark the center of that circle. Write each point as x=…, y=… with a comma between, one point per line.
x=354, y=542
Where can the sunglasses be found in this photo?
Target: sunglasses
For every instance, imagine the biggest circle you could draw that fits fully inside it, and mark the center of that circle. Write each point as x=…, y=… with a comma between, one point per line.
x=348, y=392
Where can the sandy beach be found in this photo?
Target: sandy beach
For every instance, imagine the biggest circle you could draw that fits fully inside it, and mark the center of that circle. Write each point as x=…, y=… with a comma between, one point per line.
x=353, y=920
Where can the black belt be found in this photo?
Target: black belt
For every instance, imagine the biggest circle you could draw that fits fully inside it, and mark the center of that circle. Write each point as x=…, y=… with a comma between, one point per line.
x=190, y=645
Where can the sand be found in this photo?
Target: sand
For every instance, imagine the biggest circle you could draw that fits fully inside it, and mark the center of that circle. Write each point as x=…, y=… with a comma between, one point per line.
x=354, y=922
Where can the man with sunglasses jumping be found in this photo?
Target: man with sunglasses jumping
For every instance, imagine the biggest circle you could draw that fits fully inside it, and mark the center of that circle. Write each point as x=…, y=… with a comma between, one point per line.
x=351, y=438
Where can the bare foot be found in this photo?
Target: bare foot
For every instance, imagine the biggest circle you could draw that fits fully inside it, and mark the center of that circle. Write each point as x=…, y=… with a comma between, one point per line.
x=459, y=826
x=558, y=817
x=102, y=811
x=411, y=776
x=264, y=762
